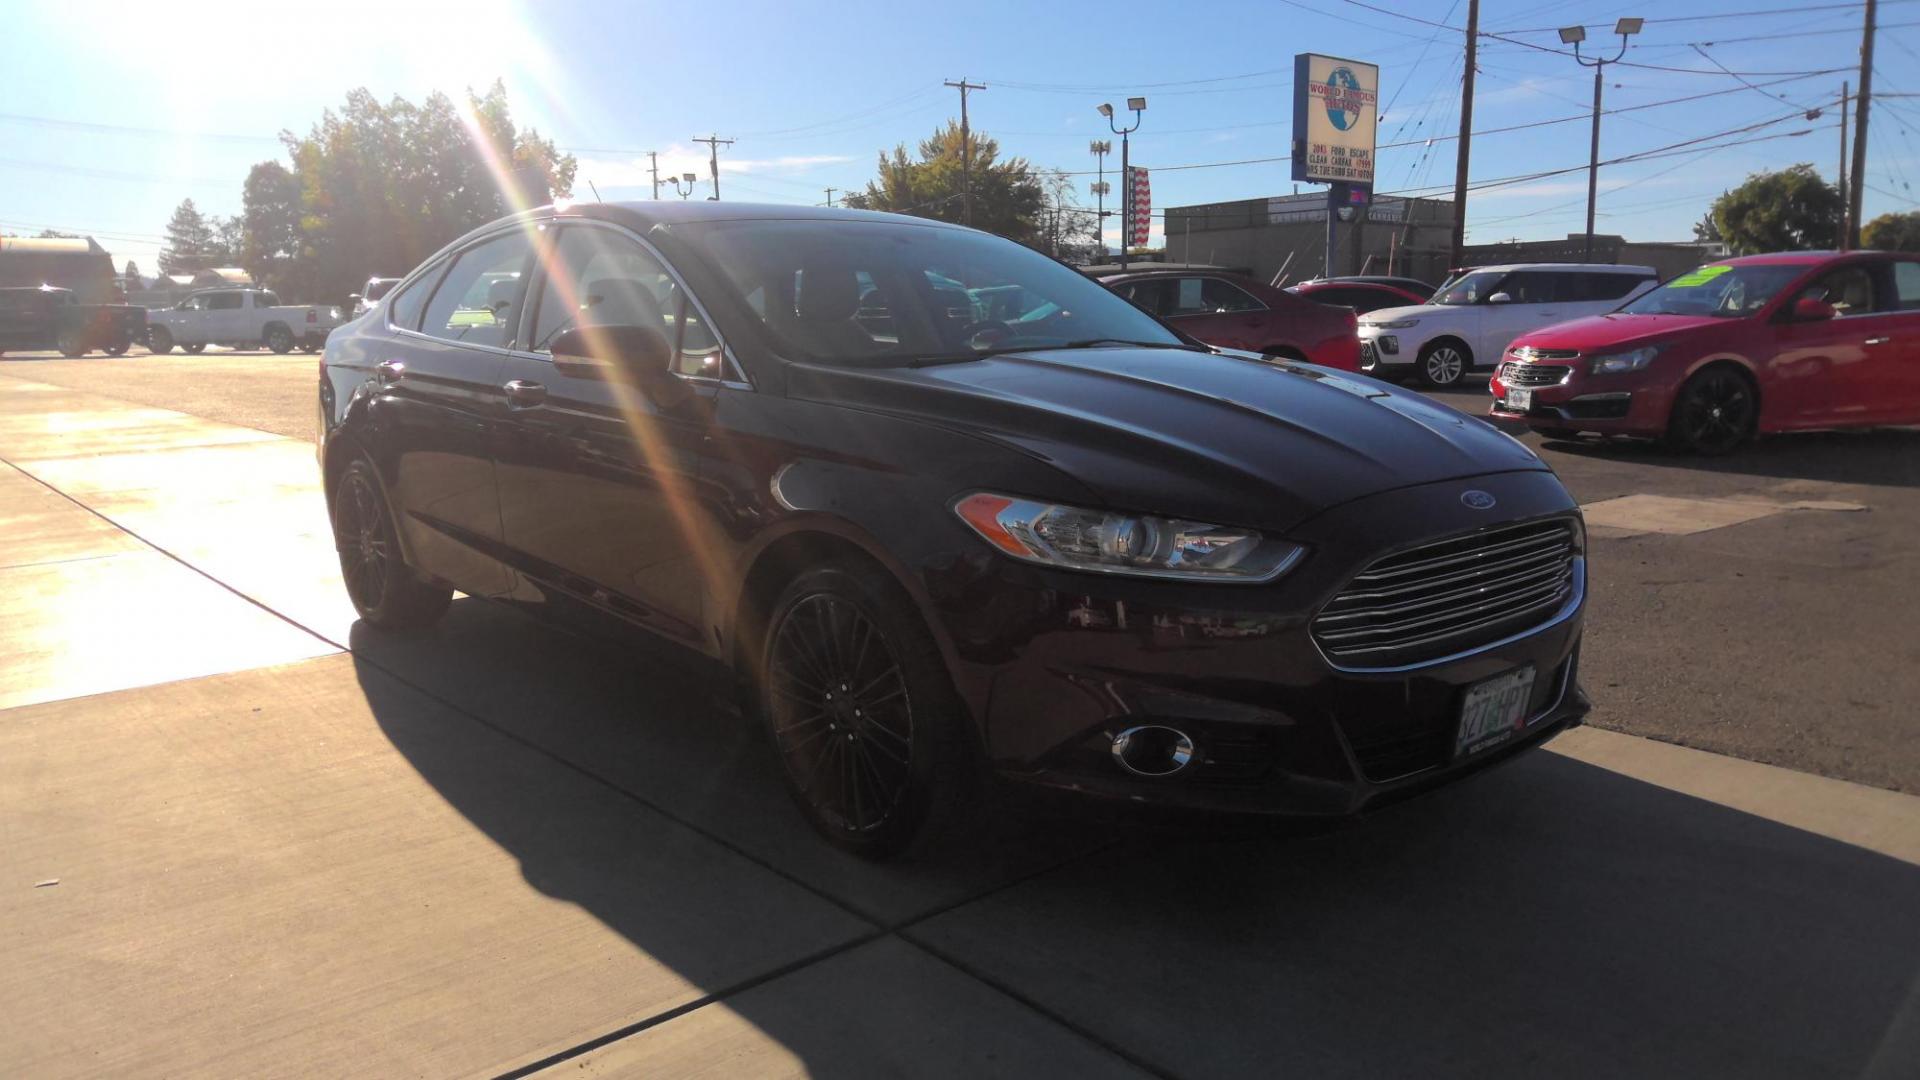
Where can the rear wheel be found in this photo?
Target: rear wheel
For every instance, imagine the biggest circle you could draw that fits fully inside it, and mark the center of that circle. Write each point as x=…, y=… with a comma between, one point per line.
x=279, y=338
x=878, y=751
x=309, y=347
x=195, y=349
x=159, y=340
x=1444, y=363
x=1714, y=412
x=384, y=589
x=119, y=348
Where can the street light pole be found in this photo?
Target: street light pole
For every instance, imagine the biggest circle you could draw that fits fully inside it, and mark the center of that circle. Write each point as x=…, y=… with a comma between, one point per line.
x=1138, y=105
x=692, y=180
x=1574, y=35
x=1100, y=148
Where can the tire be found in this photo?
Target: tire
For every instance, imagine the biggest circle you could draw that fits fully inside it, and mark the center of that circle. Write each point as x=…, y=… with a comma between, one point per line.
x=159, y=340
x=195, y=349
x=309, y=348
x=279, y=339
x=1444, y=363
x=119, y=348
x=878, y=751
x=71, y=344
x=384, y=589
x=1714, y=412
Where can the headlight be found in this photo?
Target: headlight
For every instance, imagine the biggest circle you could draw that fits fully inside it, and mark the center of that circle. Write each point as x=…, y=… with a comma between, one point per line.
x=1617, y=363
x=1114, y=543
x=1397, y=324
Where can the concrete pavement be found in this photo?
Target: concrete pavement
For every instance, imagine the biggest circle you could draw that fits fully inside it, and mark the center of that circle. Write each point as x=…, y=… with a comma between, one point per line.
x=286, y=843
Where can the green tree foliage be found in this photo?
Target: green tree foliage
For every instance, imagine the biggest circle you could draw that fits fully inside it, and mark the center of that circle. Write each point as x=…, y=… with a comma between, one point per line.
x=132, y=273
x=1893, y=232
x=1009, y=197
x=190, y=241
x=1789, y=210
x=270, y=223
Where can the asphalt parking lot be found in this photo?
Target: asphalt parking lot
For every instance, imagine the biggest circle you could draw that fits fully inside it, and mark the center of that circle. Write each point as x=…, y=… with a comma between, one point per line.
x=243, y=834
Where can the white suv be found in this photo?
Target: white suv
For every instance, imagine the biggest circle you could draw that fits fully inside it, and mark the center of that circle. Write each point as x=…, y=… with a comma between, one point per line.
x=1474, y=316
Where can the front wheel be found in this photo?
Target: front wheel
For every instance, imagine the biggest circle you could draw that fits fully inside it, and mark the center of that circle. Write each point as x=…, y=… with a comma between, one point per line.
x=384, y=589
x=878, y=751
x=159, y=340
x=1443, y=363
x=71, y=344
x=196, y=349
x=279, y=338
x=1714, y=413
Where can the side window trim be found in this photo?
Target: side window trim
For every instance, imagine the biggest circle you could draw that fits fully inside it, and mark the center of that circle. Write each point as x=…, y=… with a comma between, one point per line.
x=735, y=374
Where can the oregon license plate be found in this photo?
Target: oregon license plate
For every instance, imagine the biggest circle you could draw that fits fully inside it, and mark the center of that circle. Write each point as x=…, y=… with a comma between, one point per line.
x=1518, y=399
x=1493, y=711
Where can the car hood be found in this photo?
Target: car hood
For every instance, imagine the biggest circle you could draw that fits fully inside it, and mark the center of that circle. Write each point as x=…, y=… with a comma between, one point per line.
x=1412, y=311
x=1225, y=438
x=1615, y=332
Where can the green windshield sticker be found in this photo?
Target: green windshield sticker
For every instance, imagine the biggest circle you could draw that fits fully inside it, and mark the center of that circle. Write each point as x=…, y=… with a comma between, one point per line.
x=1698, y=277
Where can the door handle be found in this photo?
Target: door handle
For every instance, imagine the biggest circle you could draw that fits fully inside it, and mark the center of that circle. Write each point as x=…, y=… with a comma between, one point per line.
x=1878, y=340
x=522, y=394
x=389, y=370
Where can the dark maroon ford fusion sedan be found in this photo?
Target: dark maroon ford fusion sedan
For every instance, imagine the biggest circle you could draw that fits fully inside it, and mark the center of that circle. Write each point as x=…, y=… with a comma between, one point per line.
x=949, y=510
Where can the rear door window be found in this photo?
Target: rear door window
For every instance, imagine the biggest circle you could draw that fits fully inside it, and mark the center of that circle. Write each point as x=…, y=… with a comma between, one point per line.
x=1906, y=285
x=403, y=310
x=1600, y=286
x=1218, y=295
x=1534, y=286
x=478, y=302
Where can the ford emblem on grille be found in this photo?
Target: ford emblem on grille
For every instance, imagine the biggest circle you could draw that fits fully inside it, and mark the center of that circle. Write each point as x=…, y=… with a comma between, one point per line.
x=1477, y=500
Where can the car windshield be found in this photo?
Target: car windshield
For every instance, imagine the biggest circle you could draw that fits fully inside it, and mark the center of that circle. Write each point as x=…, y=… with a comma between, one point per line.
x=866, y=292
x=1720, y=290
x=1473, y=288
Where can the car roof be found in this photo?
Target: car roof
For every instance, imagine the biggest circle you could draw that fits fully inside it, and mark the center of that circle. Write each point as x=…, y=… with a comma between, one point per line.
x=1604, y=268
x=1158, y=272
x=644, y=214
x=1801, y=258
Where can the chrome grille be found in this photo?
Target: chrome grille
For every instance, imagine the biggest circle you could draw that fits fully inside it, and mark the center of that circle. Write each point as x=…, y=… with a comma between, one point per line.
x=1534, y=374
x=1450, y=596
x=1529, y=352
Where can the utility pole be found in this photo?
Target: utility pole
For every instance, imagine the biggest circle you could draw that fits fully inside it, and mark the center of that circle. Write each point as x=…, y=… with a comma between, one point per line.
x=1100, y=148
x=714, y=143
x=1845, y=192
x=1465, y=146
x=966, y=149
x=1859, y=177
x=830, y=192
x=653, y=158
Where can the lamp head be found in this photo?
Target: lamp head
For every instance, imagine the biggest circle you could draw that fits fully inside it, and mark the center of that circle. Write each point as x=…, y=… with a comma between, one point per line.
x=1136, y=103
x=1572, y=35
x=1106, y=110
x=688, y=177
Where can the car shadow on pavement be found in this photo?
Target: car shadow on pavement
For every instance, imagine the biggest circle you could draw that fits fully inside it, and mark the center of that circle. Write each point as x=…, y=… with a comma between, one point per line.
x=1888, y=457
x=1547, y=918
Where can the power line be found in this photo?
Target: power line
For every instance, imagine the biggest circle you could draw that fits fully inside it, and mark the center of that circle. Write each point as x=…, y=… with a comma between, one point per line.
x=1802, y=10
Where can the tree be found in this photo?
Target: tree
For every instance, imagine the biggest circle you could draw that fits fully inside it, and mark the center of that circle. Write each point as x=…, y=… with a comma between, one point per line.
x=1705, y=230
x=229, y=241
x=383, y=185
x=1789, y=210
x=1009, y=198
x=132, y=274
x=270, y=221
x=190, y=241
x=1893, y=232
x=56, y=234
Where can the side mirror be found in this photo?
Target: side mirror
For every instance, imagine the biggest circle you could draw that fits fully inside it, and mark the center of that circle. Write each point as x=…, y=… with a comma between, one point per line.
x=636, y=355
x=1500, y=298
x=1807, y=309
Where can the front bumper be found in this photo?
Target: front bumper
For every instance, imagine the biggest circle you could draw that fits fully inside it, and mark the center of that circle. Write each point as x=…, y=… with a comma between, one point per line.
x=1071, y=660
x=1608, y=404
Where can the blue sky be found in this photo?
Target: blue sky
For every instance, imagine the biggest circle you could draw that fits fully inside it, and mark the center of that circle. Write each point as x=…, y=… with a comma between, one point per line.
x=811, y=92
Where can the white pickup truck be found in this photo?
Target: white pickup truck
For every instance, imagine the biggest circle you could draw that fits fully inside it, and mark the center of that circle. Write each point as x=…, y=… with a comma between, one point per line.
x=244, y=318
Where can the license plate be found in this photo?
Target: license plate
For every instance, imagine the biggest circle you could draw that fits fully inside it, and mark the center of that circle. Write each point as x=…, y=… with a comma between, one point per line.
x=1493, y=711
x=1519, y=400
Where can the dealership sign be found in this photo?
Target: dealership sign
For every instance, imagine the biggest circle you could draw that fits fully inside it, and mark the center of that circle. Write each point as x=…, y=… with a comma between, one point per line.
x=1336, y=109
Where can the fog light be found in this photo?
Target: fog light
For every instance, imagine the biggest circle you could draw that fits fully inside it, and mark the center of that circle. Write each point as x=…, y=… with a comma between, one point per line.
x=1389, y=343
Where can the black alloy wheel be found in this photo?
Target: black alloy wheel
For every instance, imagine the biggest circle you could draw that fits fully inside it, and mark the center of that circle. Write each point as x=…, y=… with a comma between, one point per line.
x=383, y=588
x=1714, y=412
x=279, y=338
x=875, y=746
x=159, y=340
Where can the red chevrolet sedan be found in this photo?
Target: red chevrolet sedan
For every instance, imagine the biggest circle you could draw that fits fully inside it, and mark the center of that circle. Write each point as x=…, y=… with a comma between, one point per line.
x=1237, y=312
x=1754, y=345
